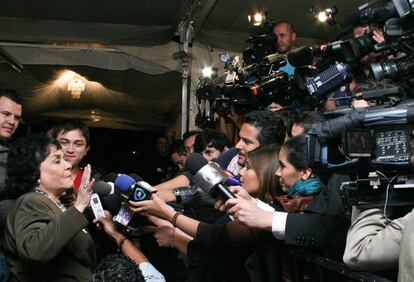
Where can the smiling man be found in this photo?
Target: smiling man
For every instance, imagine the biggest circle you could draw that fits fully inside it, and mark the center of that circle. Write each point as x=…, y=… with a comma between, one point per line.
x=73, y=136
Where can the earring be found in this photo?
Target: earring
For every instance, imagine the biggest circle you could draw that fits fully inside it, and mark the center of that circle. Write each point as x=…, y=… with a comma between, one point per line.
x=38, y=181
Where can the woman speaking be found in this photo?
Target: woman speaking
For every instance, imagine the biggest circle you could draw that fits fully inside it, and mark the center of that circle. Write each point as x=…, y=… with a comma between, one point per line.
x=45, y=241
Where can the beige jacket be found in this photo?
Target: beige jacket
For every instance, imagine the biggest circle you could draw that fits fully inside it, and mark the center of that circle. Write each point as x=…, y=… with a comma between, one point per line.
x=374, y=245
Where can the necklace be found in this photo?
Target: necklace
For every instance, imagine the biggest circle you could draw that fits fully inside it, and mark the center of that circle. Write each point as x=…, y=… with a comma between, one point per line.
x=58, y=204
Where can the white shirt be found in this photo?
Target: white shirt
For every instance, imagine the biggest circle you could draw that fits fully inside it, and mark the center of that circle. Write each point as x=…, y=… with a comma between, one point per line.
x=278, y=221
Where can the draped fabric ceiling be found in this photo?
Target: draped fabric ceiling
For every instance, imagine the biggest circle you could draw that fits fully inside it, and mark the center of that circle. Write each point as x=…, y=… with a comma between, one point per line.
x=126, y=50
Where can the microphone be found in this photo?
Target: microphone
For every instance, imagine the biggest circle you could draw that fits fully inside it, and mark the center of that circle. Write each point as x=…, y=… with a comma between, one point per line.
x=102, y=188
x=113, y=203
x=208, y=176
x=137, y=190
x=123, y=183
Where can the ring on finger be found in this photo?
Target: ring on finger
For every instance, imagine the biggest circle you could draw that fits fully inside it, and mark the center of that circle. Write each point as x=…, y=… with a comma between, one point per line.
x=85, y=186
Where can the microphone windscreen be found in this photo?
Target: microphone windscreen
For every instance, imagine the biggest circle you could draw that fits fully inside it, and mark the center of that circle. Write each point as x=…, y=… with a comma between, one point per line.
x=112, y=203
x=195, y=162
x=136, y=177
x=110, y=177
x=123, y=183
x=101, y=188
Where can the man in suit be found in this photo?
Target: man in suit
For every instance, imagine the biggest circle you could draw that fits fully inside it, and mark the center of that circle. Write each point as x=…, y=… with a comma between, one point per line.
x=10, y=116
x=374, y=244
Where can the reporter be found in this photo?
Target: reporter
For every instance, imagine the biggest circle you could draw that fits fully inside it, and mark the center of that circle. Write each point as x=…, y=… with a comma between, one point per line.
x=321, y=221
x=44, y=241
x=217, y=248
x=258, y=179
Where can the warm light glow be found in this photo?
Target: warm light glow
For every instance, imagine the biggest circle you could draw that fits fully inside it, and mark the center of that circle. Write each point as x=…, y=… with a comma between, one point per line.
x=207, y=72
x=322, y=16
x=76, y=86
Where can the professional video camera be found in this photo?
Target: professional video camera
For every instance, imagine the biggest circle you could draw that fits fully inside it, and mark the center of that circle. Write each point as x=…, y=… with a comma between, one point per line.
x=375, y=145
x=262, y=43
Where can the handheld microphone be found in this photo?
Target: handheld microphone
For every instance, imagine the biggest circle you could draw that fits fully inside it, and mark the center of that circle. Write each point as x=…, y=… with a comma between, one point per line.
x=208, y=176
x=113, y=203
x=124, y=183
x=102, y=188
x=137, y=190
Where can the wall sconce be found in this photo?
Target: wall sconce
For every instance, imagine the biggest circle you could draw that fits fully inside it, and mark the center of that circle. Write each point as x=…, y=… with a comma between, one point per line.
x=76, y=86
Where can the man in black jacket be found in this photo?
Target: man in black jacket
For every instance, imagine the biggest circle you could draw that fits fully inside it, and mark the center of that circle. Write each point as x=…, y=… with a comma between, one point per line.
x=10, y=116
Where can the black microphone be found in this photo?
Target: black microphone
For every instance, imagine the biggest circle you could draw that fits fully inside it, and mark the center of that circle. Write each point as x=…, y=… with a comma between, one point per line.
x=113, y=203
x=102, y=188
x=208, y=176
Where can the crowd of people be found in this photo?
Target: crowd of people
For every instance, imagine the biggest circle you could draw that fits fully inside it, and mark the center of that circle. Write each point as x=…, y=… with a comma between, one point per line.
x=49, y=233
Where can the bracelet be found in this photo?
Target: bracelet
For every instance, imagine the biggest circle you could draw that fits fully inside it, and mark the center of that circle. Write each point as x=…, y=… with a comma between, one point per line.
x=121, y=242
x=174, y=219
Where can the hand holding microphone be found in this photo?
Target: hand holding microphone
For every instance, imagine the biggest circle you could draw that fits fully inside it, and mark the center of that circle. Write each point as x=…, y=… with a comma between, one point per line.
x=156, y=207
x=208, y=176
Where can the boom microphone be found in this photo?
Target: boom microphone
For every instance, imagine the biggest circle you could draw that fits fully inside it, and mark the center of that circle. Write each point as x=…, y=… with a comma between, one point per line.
x=208, y=176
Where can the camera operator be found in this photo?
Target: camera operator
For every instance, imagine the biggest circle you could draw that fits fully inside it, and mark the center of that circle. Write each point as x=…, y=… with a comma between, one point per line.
x=285, y=36
x=285, y=40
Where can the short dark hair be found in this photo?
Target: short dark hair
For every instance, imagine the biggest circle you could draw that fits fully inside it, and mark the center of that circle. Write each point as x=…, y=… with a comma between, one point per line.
x=12, y=95
x=307, y=119
x=190, y=133
x=291, y=26
x=117, y=268
x=271, y=125
x=287, y=116
x=69, y=125
x=23, y=164
x=212, y=138
x=178, y=147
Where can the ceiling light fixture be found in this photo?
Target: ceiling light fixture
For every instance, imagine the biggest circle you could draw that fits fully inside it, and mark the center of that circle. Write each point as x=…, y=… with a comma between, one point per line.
x=76, y=86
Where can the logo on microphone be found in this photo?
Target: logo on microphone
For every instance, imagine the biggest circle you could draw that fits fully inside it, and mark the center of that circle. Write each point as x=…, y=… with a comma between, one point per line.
x=210, y=175
x=139, y=194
